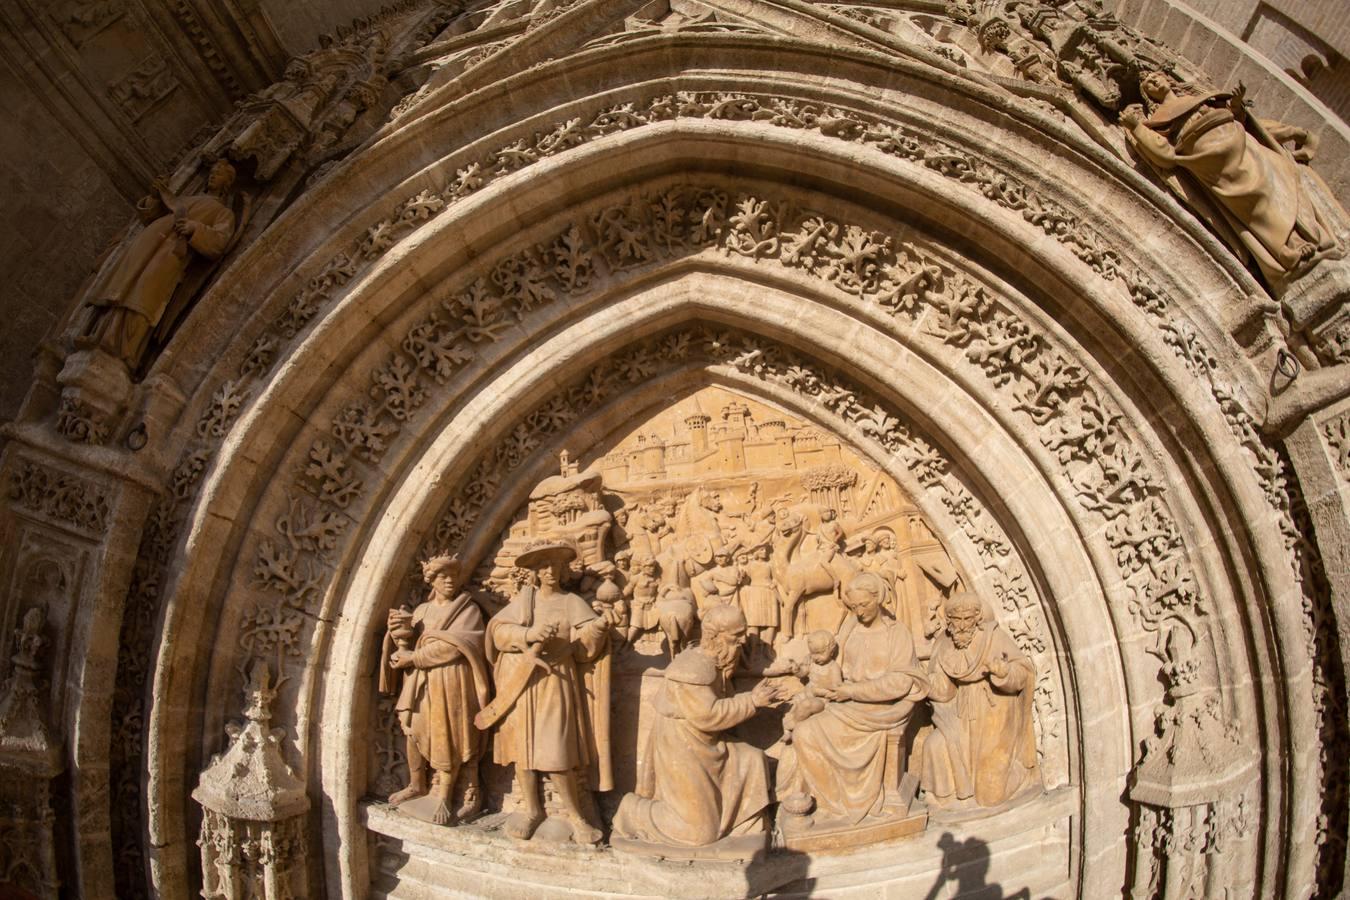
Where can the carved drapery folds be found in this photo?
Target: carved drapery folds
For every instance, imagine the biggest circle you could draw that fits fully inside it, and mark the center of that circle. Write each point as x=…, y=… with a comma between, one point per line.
x=657, y=566
x=254, y=837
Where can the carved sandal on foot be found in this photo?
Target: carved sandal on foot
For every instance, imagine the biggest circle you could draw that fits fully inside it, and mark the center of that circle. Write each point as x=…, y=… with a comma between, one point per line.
x=442, y=815
x=584, y=833
x=521, y=826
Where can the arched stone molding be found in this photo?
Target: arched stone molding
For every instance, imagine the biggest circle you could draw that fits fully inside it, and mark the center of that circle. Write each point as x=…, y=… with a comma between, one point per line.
x=386, y=346
x=278, y=399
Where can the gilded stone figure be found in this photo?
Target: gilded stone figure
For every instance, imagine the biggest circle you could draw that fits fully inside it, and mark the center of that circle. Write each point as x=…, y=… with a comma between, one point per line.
x=837, y=761
x=542, y=645
x=130, y=303
x=434, y=659
x=696, y=786
x=982, y=751
x=1254, y=190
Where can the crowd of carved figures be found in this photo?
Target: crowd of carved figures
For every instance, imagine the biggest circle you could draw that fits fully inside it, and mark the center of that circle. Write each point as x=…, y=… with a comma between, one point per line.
x=1246, y=178
x=768, y=610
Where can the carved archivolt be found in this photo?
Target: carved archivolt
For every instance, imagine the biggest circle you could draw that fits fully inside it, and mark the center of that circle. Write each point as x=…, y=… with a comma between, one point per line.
x=1053, y=393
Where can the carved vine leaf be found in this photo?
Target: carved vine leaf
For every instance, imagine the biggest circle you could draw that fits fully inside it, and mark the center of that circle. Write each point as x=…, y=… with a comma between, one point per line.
x=60, y=496
x=1337, y=434
x=329, y=474
x=225, y=405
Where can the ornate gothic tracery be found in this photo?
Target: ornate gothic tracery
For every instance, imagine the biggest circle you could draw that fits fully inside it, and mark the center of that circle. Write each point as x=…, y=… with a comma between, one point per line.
x=933, y=275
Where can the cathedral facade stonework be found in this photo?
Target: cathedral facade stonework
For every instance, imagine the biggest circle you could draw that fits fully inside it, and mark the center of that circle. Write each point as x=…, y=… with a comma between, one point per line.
x=702, y=448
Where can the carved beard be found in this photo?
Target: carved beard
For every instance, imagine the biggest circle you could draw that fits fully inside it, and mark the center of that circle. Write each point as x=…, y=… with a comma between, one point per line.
x=961, y=639
x=724, y=655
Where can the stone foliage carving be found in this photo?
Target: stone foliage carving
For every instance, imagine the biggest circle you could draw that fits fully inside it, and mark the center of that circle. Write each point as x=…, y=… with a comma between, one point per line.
x=1337, y=435
x=59, y=497
x=253, y=837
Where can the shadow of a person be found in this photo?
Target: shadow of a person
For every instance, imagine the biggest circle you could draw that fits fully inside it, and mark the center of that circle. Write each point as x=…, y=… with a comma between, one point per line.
x=779, y=872
x=965, y=872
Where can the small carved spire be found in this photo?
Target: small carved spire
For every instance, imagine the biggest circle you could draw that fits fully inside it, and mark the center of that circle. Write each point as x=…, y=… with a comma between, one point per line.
x=24, y=736
x=251, y=779
x=253, y=835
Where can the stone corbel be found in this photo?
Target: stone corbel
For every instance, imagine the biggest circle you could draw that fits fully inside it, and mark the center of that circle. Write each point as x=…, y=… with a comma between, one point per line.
x=254, y=808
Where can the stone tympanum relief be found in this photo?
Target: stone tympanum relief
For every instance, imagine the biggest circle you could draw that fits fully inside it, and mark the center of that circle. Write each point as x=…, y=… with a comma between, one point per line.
x=720, y=625
x=982, y=751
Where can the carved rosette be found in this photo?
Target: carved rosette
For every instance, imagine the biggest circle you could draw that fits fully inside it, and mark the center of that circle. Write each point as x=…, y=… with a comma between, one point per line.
x=253, y=823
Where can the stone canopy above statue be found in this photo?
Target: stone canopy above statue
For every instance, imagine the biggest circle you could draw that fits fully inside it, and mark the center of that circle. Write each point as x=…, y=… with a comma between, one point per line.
x=719, y=629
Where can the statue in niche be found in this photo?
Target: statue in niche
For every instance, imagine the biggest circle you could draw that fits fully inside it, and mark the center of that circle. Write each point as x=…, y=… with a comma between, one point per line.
x=131, y=305
x=695, y=787
x=541, y=644
x=759, y=597
x=840, y=760
x=820, y=672
x=982, y=751
x=1243, y=180
x=433, y=658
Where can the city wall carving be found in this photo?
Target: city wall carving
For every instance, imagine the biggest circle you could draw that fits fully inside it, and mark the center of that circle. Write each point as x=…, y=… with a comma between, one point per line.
x=825, y=447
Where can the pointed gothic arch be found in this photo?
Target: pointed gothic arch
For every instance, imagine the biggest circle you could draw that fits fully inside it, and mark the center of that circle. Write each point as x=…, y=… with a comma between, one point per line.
x=1000, y=313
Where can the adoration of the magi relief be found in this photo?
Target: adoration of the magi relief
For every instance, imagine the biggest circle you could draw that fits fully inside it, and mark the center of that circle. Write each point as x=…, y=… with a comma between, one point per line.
x=722, y=627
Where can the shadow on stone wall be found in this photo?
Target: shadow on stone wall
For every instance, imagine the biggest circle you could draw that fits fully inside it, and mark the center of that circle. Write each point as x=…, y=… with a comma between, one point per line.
x=965, y=872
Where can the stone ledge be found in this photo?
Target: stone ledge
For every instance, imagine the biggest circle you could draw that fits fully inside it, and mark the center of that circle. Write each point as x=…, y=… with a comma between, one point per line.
x=1023, y=847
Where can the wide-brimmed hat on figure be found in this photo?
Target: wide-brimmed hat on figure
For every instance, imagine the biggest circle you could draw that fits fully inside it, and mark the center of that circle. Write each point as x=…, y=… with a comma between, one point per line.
x=546, y=553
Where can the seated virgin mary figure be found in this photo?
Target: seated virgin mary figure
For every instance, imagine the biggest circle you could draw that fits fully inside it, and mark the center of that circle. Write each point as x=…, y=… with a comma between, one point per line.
x=837, y=762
